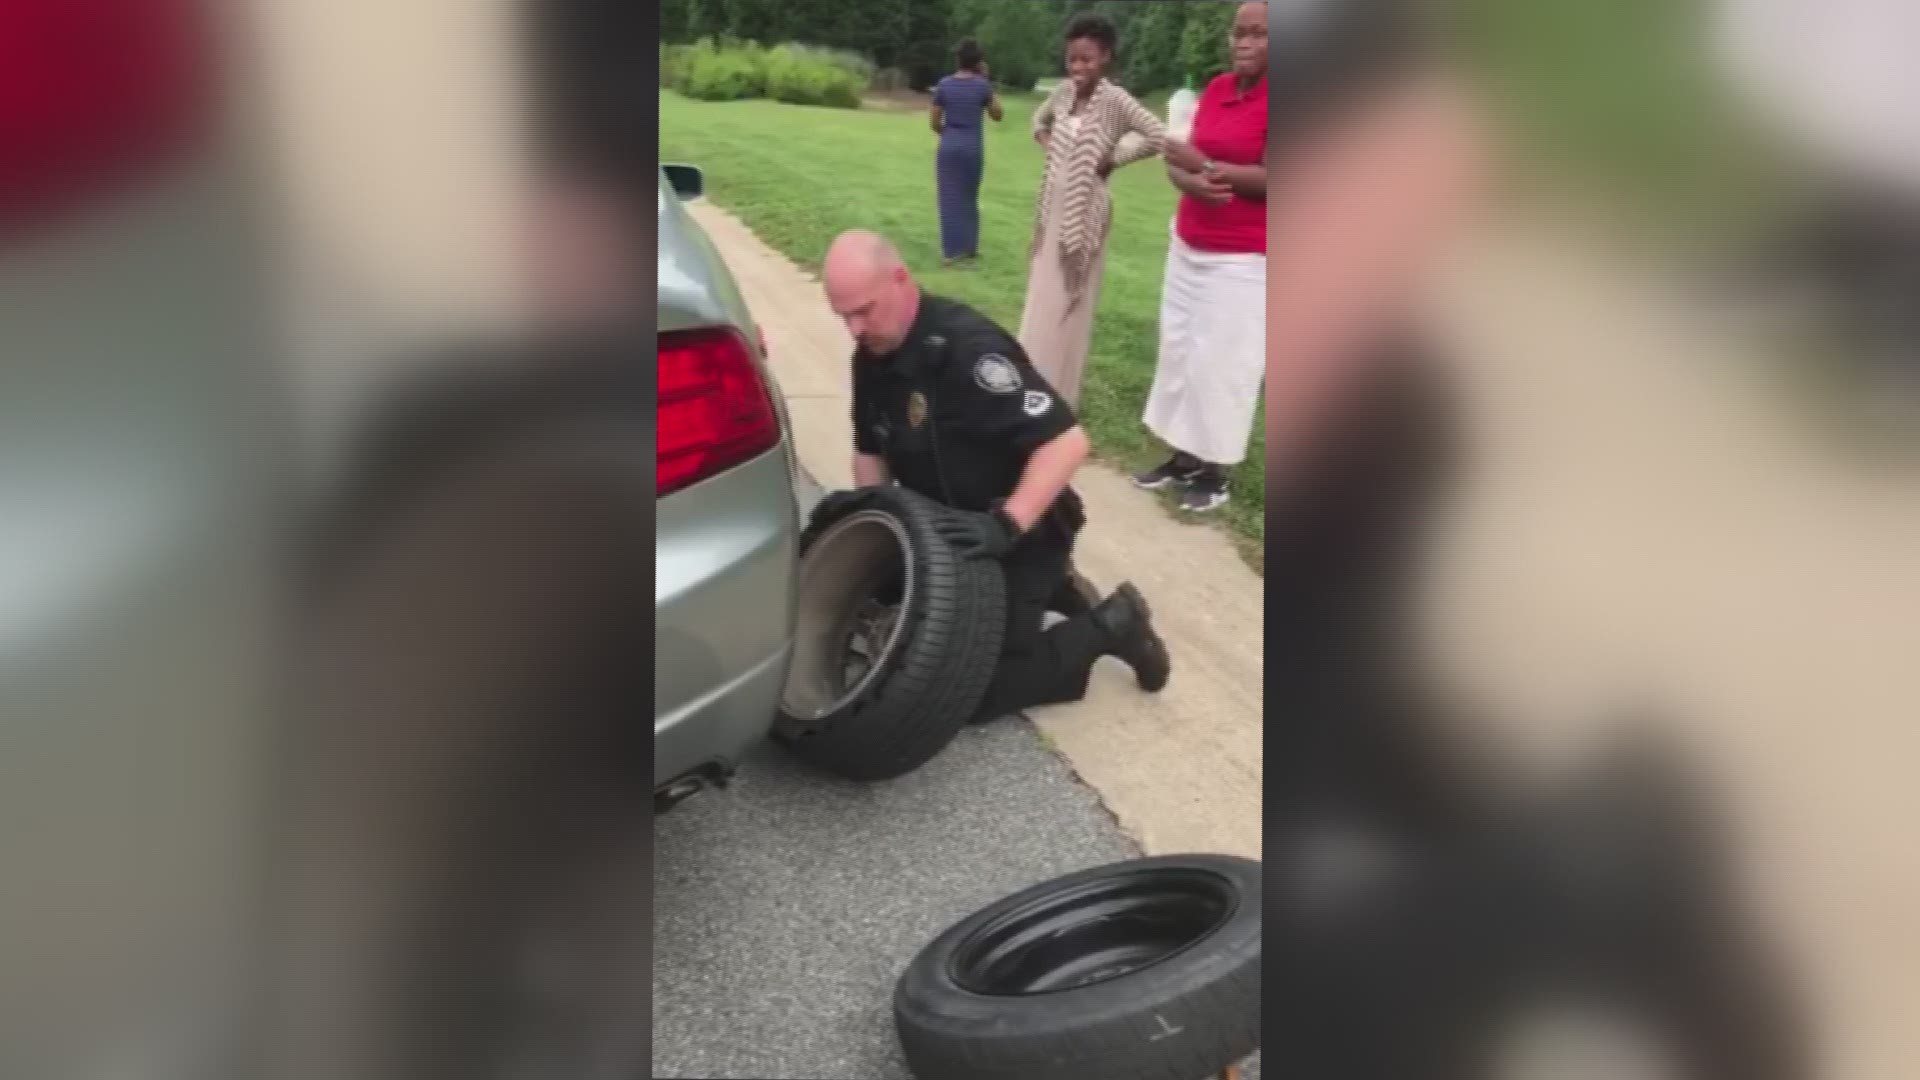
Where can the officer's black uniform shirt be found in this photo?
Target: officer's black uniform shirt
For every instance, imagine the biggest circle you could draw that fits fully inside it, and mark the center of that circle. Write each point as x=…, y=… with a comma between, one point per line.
x=957, y=410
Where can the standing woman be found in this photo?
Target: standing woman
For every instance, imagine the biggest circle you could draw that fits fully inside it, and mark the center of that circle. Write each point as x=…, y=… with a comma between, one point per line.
x=1080, y=125
x=960, y=101
x=1213, y=326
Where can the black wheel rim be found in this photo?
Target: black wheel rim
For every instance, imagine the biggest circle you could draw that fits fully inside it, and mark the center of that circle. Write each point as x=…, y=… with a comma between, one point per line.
x=1092, y=933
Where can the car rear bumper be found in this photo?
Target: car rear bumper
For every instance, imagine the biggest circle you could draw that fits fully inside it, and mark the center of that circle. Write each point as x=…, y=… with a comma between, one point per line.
x=725, y=566
x=715, y=731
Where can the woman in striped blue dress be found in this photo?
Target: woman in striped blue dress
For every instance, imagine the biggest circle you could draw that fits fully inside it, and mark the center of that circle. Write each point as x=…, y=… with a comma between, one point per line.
x=961, y=102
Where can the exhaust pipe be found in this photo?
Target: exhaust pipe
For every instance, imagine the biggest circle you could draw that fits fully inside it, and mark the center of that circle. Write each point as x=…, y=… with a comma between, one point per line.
x=677, y=792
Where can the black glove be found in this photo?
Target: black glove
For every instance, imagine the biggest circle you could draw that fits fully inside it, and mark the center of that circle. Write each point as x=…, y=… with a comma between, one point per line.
x=980, y=536
x=832, y=503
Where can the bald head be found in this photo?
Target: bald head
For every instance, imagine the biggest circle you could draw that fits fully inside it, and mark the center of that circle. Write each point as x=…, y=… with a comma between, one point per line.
x=858, y=251
x=869, y=287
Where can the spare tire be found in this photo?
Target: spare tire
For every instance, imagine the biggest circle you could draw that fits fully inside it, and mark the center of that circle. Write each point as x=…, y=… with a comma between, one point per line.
x=897, y=638
x=1143, y=969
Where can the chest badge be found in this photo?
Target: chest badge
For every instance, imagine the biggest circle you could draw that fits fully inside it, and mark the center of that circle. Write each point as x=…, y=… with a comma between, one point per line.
x=916, y=409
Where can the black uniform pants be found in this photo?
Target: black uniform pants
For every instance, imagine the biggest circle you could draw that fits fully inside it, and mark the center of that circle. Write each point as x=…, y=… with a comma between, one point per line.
x=1041, y=666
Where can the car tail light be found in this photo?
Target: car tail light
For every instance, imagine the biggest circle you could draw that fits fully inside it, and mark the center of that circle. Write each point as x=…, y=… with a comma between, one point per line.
x=715, y=411
x=92, y=94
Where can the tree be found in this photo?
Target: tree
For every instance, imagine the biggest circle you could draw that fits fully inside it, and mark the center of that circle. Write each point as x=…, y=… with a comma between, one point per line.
x=1150, y=48
x=674, y=15
x=1020, y=37
x=1124, y=12
x=1161, y=41
x=1205, y=41
x=873, y=28
x=704, y=19
x=910, y=34
x=769, y=22
x=925, y=51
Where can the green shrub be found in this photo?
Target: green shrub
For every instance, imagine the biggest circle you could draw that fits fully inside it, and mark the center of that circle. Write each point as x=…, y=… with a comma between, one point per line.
x=1020, y=37
x=798, y=75
x=846, y=60
x=673, y=66
x=724, y=72
x=1017, y=76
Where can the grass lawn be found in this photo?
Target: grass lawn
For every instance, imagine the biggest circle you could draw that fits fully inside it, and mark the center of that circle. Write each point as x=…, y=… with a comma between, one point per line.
x=798, y=176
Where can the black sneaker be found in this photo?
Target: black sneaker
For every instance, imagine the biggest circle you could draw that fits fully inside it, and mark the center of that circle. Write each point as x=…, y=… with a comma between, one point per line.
x=1128, y=625
x=1176, y=469
x=1206, y=490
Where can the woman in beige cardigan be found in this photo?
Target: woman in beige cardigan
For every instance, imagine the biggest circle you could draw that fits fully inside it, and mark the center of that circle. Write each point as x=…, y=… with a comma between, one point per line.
x=1080, y=125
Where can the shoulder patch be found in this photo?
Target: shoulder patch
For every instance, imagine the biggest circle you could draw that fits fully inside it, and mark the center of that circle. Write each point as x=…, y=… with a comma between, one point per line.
x=1037, y=403
x=996, y=374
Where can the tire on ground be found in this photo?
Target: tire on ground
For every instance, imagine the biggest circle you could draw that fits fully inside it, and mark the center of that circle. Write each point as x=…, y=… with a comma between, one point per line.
x=1191, y=1011
x=939, y=658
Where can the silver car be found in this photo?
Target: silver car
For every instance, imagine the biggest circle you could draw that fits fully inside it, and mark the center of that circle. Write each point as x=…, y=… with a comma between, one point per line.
x=728, y=515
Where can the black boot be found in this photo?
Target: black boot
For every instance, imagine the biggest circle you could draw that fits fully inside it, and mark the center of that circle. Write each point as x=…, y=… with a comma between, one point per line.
x=1075, y=597
x=1128, y=625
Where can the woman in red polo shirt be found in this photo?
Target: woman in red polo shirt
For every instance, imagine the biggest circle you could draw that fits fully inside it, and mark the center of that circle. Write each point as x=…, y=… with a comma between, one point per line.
x=1213, y=302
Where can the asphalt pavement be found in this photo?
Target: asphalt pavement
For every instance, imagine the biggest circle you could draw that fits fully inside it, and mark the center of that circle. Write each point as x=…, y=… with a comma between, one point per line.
x=787, y=905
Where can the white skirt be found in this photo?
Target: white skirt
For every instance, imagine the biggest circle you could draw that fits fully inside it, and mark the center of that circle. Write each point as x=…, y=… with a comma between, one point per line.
x=1213, y=353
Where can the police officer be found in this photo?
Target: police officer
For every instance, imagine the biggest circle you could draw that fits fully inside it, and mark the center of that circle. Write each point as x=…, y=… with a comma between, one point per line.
x=946, y=404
